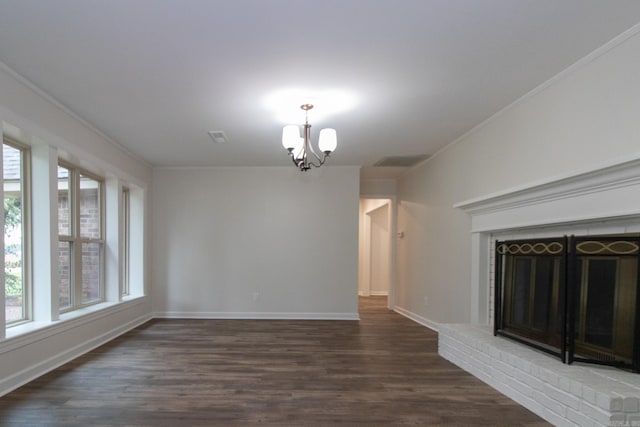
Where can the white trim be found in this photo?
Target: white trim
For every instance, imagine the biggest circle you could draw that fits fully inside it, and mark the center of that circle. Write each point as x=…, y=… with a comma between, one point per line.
x=379, y=293
x=253, y=315
x=434, y=326
x=619, y=172
x=30, y=85
x=610, y=192
x=584, y=61
x=32, y=332
x=21, y=378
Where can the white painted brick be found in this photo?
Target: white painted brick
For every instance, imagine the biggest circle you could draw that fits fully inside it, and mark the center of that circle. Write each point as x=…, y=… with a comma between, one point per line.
x=530, y=380
x=615, y=404
x=580, y=419
x=494, y=352
x=506, y=357
x=524, y=365
x=558, y=420
x=520, y=387
x=589, y=394
x=482, y=376
x=630, y=404
x=604, y=401
x=594, y=412
x=562, y=397
x=549, y=403
x=585, y=395
x=483, y=357
x=503, y=367
x=549, y=376
x=634, y=420
x=497, y=375
x=618, y=420
x=576, y=388
x=564, y=383
x=525, y=401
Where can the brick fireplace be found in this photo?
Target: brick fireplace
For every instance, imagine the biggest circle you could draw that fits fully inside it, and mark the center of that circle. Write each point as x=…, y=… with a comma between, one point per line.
x=602, y=201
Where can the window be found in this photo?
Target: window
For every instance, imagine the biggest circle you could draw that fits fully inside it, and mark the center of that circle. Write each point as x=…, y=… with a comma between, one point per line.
x=126, y=247
x=16, y=184
x=80, y=238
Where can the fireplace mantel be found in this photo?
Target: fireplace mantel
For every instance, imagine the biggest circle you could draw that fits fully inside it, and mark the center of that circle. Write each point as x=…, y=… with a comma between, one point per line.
x=602, y=200
x=606, y=193
x=610, y=191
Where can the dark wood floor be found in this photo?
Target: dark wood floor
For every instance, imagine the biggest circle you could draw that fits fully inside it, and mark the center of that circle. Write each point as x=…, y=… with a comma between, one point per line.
x=382, y=370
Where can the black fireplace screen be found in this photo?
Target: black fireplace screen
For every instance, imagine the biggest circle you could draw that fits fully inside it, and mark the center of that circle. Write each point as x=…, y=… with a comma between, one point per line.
x=573, y=297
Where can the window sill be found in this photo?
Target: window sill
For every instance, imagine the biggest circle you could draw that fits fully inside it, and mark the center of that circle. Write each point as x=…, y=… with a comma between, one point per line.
x=27, y=333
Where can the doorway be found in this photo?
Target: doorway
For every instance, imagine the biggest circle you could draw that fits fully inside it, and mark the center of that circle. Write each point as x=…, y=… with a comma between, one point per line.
x=375, y=248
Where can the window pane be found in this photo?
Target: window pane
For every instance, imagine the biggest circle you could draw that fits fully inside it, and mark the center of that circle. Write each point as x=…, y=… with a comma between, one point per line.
x=13, y=235
x=64, y=275
x=91, y=272
x=89, y=208
x=125, y=240
x=64, y=225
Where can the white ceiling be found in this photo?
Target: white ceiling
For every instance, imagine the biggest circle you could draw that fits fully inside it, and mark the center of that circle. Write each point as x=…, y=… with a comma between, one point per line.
x=157, y=75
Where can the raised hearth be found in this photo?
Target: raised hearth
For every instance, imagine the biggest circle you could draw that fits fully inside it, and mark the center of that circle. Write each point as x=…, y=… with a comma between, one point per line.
x=565, y=395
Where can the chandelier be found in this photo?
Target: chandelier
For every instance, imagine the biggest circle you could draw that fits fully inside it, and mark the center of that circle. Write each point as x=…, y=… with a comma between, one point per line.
x=300, y=149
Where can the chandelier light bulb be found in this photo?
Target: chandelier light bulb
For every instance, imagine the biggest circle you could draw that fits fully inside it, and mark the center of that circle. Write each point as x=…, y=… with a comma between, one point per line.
x=290, y=137
x=328, y=140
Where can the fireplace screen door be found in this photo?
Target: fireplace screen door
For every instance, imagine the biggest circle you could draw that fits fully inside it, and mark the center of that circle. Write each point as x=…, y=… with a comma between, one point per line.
x=573, y=297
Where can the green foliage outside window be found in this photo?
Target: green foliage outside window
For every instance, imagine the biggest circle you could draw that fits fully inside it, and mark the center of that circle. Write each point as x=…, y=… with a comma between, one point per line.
x=12, y=220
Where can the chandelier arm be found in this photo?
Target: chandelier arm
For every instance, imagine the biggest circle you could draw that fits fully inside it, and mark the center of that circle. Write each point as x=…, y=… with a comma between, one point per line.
x=307, y=140
x=320, y=160
x=300, y=164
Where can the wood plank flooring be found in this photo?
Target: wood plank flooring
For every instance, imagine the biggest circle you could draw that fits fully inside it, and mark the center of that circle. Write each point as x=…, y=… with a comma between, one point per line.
x=382, y=370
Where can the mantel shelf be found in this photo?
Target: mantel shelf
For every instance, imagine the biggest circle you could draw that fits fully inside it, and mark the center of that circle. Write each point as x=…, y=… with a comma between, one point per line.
x=610, y=191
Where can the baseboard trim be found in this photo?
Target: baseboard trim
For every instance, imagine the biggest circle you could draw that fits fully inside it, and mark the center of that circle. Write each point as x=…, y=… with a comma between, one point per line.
x=379, y=293
x=255, y=316
x=417, y=318
x=21, y=378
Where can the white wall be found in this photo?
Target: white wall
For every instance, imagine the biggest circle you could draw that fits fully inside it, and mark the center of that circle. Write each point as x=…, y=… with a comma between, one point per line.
x=40, y=348
x=223, y=235
x=378, y=187
x=380, y=250
x=580, y=120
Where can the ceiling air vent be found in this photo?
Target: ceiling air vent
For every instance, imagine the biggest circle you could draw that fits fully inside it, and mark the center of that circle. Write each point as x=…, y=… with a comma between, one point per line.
x=218, y=136
x=401, y=161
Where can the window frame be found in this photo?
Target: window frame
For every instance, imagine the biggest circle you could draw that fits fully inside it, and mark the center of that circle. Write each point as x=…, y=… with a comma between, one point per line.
x=76, y=240
x=27, y=231
x=126, y=241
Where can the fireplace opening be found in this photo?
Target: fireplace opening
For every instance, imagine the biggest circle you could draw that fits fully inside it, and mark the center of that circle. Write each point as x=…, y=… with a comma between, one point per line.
x=573, y=297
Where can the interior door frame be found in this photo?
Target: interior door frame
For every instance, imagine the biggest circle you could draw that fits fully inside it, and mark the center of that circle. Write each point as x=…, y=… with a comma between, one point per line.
x=392, y=204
